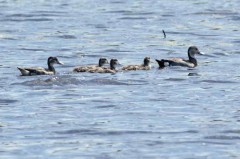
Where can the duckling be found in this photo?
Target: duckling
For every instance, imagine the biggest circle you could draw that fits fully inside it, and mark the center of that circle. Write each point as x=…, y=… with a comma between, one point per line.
x=87, y=68
x=145, y=66
x=191, y=62
x=30, y=71
x=112, y=69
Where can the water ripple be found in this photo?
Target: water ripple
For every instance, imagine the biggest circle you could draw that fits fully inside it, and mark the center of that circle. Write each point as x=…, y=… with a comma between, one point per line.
x=175, y=79
x=7, y=101
x=222, y=137
x=116, y=50
x=50, y=12
x=231, y=132
x=99, y=132
x=133, y=18
x=52, y=81
x=218, y=81
x=190, y=33
x=67, y=37
x=68, y=80
x=222, y=12
x=104, y=81
x=19, y=15
x=29, y=19
x=154, y=143
x=33, y=49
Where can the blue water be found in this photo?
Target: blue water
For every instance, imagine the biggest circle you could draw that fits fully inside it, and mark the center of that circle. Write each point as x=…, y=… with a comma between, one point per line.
x=170, y=113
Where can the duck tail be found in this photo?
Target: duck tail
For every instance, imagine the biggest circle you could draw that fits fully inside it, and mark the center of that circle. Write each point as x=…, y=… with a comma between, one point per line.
x=161, y=63
x=20, y=69
x=23, y=71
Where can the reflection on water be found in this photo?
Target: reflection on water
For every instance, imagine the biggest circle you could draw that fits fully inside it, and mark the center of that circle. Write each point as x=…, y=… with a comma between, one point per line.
x=68, y=80
x=160, y=113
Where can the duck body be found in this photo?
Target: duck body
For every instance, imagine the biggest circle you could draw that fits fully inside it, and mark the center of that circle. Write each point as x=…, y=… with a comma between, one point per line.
x=84, y=68
x=145, y=66
x=89, y=68
x=176, y=62
x=191, y=62
x=31, y=71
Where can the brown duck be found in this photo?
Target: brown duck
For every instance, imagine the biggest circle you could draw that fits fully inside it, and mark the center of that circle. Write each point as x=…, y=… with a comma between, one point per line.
x=101, y=63
x=145, y=66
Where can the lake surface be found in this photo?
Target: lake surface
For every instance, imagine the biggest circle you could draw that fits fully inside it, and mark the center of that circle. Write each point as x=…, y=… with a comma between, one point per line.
x=170, y=113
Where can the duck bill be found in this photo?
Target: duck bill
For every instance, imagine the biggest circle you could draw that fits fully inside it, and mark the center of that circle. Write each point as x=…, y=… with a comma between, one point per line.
x=201, y=53
x=119, y=63
x=60, y=63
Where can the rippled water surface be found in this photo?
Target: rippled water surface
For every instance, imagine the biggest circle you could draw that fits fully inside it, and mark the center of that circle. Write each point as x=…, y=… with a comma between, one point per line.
x=168, y=113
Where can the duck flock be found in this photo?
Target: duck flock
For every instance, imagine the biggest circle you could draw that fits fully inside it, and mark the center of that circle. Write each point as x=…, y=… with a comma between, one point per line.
x=100, y=68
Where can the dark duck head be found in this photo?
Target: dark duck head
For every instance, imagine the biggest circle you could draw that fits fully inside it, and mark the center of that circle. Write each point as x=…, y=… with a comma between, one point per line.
x=51, y=62
x=113, y=64
x=146, y=61
x=102, y=61
x=192, y=51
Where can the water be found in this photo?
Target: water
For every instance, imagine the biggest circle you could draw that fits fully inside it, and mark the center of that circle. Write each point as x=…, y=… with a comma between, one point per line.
x=169, y=113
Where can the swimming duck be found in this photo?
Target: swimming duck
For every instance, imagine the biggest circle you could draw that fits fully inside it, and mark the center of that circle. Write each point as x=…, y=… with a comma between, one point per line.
x=30, y=71
x=191, y=62
x=145, y=66
x=87, y=68
x=111, y=69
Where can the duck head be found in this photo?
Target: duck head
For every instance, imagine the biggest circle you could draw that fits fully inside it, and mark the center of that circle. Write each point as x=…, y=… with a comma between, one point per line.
x=192, y=51
x=102, y=61
x=54, y=60
x=51, y=62
x=146, y=61
x=113, y=63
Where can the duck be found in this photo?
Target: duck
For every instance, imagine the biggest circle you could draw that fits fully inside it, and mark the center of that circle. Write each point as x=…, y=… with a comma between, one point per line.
x=101, y=63
x=111, y=69
x=30, y=71
x=145, y=66
x=191, y=62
